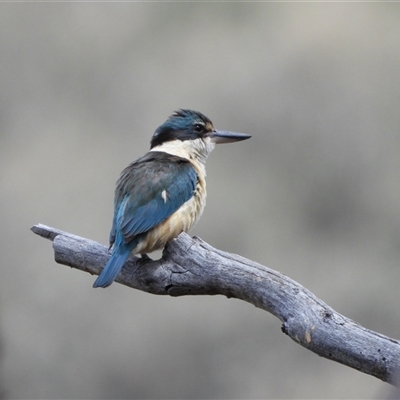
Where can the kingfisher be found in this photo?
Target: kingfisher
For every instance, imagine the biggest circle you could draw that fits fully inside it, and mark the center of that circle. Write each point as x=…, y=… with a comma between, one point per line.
x=162, y=193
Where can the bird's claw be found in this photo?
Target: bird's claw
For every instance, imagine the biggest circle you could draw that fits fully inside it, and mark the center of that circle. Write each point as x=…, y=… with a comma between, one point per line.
x=144, y=259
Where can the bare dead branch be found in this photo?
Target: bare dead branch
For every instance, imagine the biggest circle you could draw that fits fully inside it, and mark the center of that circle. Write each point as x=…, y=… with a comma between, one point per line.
x=190, y=266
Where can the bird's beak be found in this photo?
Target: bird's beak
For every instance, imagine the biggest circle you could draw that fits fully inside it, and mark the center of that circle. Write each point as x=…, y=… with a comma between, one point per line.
x=227, y=137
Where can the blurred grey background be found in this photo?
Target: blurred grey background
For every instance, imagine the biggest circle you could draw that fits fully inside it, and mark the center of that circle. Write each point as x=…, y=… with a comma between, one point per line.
x=314, y=194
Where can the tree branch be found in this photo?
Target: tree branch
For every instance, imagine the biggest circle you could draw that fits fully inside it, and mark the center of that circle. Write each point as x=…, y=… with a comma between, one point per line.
x=190, y=266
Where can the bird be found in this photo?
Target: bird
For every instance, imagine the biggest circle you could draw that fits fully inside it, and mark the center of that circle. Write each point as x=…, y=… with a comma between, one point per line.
x=163, y=193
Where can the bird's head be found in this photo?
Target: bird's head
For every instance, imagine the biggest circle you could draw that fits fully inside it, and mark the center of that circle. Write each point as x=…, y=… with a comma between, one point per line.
x=193, y=131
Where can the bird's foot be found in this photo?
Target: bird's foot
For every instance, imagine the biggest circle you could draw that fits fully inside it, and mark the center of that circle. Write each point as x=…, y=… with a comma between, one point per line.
x=144, y=259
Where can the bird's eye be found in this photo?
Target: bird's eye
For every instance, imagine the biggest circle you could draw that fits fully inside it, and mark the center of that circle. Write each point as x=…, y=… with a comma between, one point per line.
x=198, y=127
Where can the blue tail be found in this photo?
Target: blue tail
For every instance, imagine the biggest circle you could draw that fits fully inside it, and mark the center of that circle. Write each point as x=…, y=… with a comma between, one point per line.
x=118, y=257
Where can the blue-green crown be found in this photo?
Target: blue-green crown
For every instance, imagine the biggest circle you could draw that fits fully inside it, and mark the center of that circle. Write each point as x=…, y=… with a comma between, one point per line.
x=182, y=125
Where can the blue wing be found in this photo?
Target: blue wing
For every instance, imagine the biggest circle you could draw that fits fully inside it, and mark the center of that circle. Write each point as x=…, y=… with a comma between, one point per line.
x=148, y=192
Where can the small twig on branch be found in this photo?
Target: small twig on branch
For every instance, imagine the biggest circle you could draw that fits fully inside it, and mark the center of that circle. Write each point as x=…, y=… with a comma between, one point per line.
x=190, y=266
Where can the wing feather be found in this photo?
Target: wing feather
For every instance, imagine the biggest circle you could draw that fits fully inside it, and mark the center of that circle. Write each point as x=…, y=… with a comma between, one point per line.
x=149, y=191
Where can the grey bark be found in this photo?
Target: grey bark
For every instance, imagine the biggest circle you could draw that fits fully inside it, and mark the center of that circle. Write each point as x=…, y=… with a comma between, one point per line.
x=190, y=266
